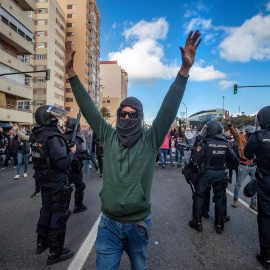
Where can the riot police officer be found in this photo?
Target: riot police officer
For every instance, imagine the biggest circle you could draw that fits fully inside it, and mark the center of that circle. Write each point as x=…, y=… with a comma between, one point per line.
x=76, y=172
x=259, y=145
x=210, y=155
x=51, y=158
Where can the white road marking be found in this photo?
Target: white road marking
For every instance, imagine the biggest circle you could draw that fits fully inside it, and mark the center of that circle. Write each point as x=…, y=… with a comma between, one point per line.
x=241, y=201
x=82, y=254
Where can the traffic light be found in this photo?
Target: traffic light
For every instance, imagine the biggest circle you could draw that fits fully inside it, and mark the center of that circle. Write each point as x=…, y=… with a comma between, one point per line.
x=48, y=73
x=235, y=89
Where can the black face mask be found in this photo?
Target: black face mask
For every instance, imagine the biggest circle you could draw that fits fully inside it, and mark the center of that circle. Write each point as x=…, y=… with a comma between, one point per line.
x=129, y=130
x=54, y=122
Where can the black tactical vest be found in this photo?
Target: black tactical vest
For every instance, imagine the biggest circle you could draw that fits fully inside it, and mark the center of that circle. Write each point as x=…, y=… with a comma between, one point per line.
x=215, y=154
x=45, y=171
x=263, y=155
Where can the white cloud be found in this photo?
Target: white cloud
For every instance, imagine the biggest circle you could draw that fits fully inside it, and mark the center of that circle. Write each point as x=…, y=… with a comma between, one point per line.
x=143, y=60
x=226, y=84
x=149, y=121
x=208, y=73
x=157, y=29
x=249, y=41
x=198, y=23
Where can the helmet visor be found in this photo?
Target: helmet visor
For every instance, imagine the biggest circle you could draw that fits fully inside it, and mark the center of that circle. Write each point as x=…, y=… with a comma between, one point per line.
x=56, y=112
x=203, y=132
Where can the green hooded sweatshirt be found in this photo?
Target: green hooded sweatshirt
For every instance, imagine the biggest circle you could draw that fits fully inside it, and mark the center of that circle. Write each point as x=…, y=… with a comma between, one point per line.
x=128, y=171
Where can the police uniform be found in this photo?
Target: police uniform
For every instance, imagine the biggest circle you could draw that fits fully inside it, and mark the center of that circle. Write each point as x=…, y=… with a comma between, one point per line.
x=259, y=145
x=211, y=155
x=76, y=172
x=51, y=159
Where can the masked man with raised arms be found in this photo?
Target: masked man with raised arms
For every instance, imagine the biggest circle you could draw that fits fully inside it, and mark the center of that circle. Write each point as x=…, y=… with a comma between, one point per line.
x=129, y=164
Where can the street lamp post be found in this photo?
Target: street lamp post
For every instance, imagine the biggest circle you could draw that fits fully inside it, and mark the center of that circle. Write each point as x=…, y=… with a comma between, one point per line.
x=186, y=114
x=223, y=111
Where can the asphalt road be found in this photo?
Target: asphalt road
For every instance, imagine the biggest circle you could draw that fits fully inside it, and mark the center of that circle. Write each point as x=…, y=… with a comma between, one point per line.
x=173, y=246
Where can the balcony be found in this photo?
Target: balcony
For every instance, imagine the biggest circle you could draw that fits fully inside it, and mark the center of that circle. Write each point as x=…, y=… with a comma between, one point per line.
x=15, y=37
x=14, y=88
x=17, y=62
x=14, y=115
x=26, y=5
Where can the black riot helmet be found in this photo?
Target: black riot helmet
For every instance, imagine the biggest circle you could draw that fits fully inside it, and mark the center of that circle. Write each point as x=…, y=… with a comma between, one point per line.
x=70, y=125
x=203, y=123
x=44, y=114
x=263, y=118
x=212, y=128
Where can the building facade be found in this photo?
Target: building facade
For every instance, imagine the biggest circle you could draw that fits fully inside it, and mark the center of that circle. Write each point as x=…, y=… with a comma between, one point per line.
x=49, y=54
x=83, y=32
x=114, y=81
x=207, y=114
x=17, y=50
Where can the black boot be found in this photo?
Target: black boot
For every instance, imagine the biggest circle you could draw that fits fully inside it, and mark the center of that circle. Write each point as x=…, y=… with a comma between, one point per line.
x=79, y=208
x=42, y=243
x=264, y=257
x=219, y=226
x=59, y=254
x=196, y=224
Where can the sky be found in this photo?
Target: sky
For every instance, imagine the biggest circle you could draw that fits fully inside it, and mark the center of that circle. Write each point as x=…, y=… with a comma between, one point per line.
x=144, y=37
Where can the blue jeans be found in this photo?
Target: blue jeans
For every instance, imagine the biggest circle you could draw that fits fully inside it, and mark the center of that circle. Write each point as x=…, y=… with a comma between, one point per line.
x=171, y=156
x=243, y=172
x=114, y=237
x=11, y=153
x=20, y=159
x=93, y=160
x=179, y=154
x=163, y=153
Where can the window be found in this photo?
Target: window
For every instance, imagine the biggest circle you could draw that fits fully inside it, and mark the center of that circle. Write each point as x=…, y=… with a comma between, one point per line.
x=70, y=6
x=41, y=34
x=41, y=45
x=40, y=68
x=41, y=22
x=61, y=87
x=69, y=99
x=41, y=11
x=40, y=56
x=41, y=1
x=39, y=91
x=40, y=79
x=108, y=101
x=40, y=102
x=108, y=107
x=27, y=81
x=103, y=101
x=70, y=24
x=70, y=34
x=71, y=15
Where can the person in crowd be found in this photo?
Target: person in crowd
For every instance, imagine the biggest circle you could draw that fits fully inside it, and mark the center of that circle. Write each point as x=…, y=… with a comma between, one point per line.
x=76, y=168
x=246, y=166
x=210, y=156
x=234, y=146
x=11, y=148
x=129, y=154
x=179, y=141
x=24, y=152
x=171, y=146
x=258, y=146
x=52, y=158
x=93, y=153
x=99, y=152
x=2, y=146
x=25, y=137
x=163, y=150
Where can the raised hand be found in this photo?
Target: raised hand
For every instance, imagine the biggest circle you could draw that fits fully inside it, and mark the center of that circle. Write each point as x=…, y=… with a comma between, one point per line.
x=189, y=51
x=69, y=57
x=227, y=116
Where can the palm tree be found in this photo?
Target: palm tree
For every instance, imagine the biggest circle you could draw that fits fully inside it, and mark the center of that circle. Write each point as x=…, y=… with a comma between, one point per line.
x=105, y=113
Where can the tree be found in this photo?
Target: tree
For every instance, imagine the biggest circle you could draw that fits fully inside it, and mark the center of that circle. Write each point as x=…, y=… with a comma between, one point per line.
x=240, y=121
x=105, y=113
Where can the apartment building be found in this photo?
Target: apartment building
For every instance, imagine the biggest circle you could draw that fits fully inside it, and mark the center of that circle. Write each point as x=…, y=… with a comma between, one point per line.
x=49, y=54
x=17, y=49
x=83, y=32
x=114, y=82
